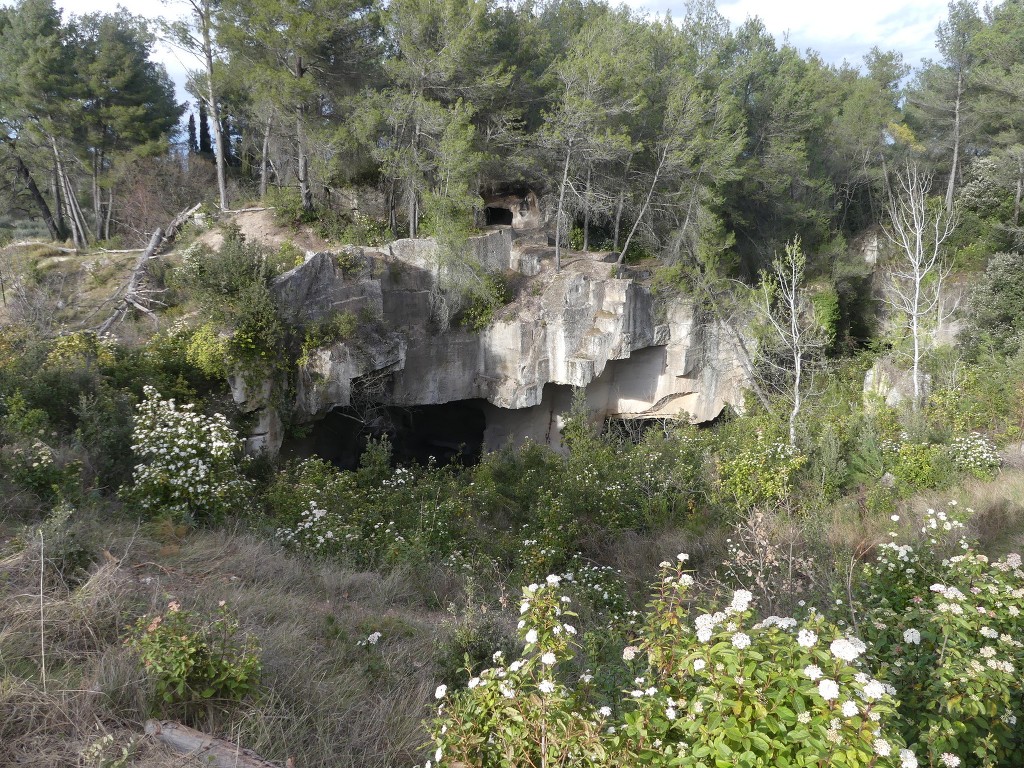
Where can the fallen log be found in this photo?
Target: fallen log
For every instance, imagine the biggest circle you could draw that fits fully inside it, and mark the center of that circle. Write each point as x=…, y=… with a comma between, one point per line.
x=51, y=246
x=208, y=749
x=132, y=296
x=179, y=221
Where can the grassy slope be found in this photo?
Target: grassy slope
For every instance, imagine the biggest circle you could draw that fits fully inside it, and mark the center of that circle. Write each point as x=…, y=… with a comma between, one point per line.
x=327, y=700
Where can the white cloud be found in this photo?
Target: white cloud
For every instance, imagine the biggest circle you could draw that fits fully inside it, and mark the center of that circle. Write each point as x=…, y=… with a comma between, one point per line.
x=837, y=30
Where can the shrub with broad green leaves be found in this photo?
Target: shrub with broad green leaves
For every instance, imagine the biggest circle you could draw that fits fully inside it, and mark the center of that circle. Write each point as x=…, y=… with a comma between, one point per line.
x=715, y=689
x=760, y=473
x=194, y=661
x=944, y=629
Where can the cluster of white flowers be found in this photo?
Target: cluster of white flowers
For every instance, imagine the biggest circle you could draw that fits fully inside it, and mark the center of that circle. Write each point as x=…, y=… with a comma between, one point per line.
x=187, y=459
x=974, y=453
x=847, y=648
x=372, y=639
x=401, y=476
x=741, y=640
x=806, y=638
x=705, y=624
x=944, y=521
x=828, y=689
x=741, y=600
x=782, y=622
x=39, y=456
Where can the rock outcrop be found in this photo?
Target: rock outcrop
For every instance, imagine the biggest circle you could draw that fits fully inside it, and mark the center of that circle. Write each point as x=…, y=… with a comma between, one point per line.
x=582, y=327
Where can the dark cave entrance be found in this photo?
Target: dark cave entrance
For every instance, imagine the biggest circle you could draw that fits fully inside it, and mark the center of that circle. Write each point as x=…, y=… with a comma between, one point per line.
x=451, y=433
x=496, y=215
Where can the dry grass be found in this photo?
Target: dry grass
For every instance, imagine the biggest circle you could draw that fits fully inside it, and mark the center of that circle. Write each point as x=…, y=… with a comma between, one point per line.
x=326, y=700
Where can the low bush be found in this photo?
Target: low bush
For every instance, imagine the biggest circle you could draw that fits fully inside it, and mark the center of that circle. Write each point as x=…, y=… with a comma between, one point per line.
x=195, y=662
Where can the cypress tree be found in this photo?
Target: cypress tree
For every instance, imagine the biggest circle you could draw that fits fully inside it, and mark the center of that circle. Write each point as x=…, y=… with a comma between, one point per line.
x=205, y=145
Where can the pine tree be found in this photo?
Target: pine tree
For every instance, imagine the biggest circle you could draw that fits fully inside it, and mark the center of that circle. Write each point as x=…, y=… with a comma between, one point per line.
x=193, y=140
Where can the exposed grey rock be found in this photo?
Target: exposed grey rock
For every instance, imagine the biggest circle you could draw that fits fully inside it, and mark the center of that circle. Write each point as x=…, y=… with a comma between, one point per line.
x=892, y=384
x=582, y=327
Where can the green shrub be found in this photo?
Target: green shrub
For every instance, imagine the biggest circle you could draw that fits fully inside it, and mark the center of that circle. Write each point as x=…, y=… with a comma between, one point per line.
x=364, y=230
x=232, y=289
x=716, y=689
x=943, y=629
x=758, y=473
x=920, y=465
x=287, y=205
x=491, y=295
x=195, y=662
x=996, y=308
x=330, y=330
x=207, y=350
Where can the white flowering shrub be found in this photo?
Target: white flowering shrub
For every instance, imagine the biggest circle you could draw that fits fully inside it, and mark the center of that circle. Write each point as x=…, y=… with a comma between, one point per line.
x=974, y=454
x=188, y=462
x=520, y=713
x=720, y=689
x=945, y=632
x=38, y=467
x=377, y=517
x=353, y=536
x=725, y=689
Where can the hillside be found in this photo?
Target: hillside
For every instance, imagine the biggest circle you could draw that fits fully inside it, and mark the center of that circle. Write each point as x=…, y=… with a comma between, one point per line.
x=508, y=385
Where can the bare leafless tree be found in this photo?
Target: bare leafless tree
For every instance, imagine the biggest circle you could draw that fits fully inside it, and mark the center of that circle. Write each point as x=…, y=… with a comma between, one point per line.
x=917, y=230
x=795, y=333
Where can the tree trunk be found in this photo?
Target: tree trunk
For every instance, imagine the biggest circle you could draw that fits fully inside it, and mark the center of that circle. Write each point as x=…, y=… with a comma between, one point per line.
x=37, y=197
x=392, y=203
x=211, y=103
x=586, y=212
x=79, y=231
x=204, y=748
x=97, y=201
x=412, y=207
x=109, y=214
x=915, y=331
x=797, y=365
x=950, y=186
x=58, y=201
x=621, y=204
x=643, y=209
x=264, y=165
x=558, y=213
x=618, y=219
x=305, y=192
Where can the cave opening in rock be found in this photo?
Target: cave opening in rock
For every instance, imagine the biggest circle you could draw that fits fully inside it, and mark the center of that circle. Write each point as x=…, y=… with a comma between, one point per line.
x=450, y=433
x=497, y=215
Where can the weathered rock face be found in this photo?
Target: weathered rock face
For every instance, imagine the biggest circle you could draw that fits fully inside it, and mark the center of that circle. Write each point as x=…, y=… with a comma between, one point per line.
x=578, y=328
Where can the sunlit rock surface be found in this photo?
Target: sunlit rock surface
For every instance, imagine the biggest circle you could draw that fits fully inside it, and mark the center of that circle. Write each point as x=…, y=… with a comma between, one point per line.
x=580, y=327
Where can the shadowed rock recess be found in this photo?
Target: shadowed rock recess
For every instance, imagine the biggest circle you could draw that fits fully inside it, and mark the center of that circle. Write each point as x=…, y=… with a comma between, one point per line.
x=580, y=327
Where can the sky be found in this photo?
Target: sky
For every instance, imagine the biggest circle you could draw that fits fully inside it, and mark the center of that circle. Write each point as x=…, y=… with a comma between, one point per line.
x=837, y=30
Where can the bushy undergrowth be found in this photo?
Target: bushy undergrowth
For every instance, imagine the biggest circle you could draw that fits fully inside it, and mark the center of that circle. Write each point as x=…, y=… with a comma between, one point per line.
x=195, y=662
x=926, y=674
x=911, y=658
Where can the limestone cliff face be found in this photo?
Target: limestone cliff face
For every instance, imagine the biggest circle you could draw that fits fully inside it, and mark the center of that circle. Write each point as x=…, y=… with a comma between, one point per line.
x=581, y=327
